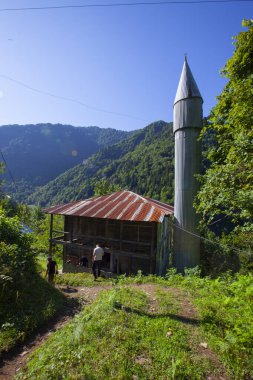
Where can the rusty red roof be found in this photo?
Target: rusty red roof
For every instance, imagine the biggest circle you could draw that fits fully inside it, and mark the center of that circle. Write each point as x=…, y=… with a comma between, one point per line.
x=121, y=205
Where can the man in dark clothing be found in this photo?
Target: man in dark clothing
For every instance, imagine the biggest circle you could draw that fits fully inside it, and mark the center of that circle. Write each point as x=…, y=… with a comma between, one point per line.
x=52, y=269
x=83, y=261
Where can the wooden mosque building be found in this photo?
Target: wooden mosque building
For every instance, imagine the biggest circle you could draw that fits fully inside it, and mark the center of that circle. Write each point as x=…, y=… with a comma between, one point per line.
x=135, y=232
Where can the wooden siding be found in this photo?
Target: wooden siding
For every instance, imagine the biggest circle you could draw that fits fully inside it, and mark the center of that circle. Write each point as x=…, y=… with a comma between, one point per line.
x=129, y=246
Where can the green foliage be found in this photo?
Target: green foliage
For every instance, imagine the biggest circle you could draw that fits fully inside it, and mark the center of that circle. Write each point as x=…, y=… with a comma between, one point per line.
x=16, y=257
x=142, y=163
x=227, y=188
x=218, y=257
x=226, y=308
x=38, y=153
x=25, y=299
x=39, y=223
x=32, y=304
x=104, y=187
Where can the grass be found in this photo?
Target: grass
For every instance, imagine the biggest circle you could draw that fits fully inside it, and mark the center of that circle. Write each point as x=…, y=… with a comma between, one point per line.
x=118, y=337
x=226, y=309
x=81, y=279
x=86, y=279
x=129, y=340
x=123, y=334
x=29, y=308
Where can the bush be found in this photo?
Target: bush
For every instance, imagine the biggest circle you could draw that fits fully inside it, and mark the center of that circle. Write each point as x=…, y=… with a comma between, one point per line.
x=16, y=257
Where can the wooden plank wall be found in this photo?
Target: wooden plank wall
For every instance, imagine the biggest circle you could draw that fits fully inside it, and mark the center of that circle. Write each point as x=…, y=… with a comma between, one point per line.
x=130, y=246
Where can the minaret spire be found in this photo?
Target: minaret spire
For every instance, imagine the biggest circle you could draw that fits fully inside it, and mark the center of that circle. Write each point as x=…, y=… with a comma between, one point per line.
x=187, y=87
x=187, y=123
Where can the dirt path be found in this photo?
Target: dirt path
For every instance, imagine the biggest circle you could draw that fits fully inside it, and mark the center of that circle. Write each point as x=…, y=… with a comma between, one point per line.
x=186, y=314
x=76, y=298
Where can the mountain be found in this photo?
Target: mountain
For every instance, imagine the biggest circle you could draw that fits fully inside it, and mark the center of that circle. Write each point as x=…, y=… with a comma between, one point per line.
x=143, y=163
x=36, y=154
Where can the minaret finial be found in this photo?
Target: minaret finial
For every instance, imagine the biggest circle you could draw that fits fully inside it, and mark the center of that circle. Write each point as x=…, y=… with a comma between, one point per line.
x=185, y=57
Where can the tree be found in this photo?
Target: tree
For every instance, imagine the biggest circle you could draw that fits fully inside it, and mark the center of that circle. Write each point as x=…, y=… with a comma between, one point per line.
x=227, y=186
x=16, y=257
x=103, y=187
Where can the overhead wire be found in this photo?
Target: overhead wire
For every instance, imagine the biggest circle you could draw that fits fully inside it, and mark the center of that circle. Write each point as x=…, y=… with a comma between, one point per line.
x=76, y=101
x=110, y=5
x=217, y=221
x=9, y=170
x=211, y=241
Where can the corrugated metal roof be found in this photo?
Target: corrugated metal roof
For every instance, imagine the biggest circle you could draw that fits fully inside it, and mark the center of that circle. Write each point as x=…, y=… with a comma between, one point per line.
x=187, y=87
x=121, y=205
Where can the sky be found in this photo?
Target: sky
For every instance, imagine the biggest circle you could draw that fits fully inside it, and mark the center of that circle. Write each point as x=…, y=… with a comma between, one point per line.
x=115, y=67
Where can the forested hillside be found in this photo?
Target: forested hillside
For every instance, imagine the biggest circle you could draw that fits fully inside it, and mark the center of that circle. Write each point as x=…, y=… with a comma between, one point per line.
x=36, y=154
x=143, y=163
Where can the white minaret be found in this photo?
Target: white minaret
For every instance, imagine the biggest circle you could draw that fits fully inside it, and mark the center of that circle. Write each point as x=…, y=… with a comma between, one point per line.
x=187, y=123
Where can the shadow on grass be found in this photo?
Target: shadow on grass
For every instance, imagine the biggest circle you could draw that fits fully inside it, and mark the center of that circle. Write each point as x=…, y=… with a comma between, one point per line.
x=179, y=318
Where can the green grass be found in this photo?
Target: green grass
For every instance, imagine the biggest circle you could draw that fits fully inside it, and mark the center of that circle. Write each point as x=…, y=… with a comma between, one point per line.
x=81, y=279
x=27, y=309
x=118, y=337
x=86, y=279
x=226, y=309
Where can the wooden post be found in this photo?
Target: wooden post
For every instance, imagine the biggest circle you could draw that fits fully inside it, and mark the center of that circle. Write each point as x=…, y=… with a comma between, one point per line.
x=117, y=264
x=120, y=246
x=106, y=229
x=152, y=256
x=111, y=261
x=51, y=235
x=121, y=234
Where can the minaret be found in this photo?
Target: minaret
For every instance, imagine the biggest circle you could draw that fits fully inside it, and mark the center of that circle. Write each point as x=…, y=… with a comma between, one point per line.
x=187, y=123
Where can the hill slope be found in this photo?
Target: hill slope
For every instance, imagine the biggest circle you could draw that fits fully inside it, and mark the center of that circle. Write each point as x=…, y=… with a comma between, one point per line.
x=143, y=163
x=38, y=153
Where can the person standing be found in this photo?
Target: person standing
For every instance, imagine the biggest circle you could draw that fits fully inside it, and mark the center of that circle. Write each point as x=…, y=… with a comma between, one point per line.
x=52, y=269
x=97, y=257
x=83, y=262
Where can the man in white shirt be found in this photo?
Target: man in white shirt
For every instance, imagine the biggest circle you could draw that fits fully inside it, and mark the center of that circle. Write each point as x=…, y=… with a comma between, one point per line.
x=97, y=257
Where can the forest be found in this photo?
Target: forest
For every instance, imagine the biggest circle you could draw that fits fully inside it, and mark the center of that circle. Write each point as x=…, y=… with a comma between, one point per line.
x=38, y=153
x=192, y=325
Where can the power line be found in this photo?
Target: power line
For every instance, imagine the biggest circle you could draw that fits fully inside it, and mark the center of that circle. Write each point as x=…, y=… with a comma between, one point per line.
x=9, y=170
x=110, y=5
x=211, y=224
x=211, y=241
x=76, y=101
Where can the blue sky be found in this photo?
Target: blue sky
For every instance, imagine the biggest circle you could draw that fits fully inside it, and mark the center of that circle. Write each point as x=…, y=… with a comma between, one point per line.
x=121, y=64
